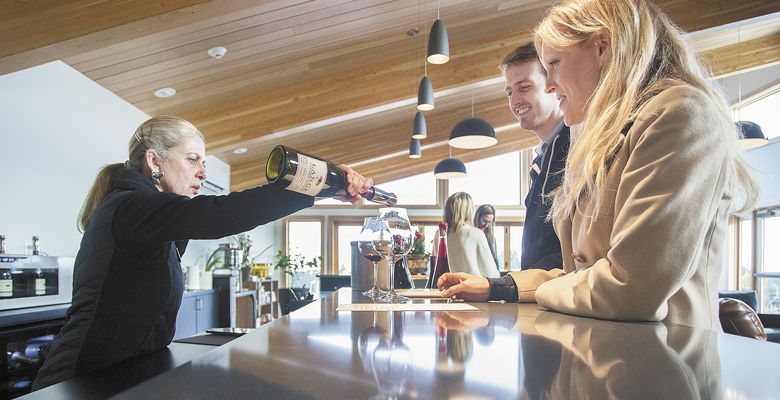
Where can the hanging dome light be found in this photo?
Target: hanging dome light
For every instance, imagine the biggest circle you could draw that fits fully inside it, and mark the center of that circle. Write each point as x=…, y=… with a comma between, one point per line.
x=438, y=44
x=425, y=95
x=751, y=135
x=419, y=128
x=449, y=168
x=472, y=133
x=414, y=149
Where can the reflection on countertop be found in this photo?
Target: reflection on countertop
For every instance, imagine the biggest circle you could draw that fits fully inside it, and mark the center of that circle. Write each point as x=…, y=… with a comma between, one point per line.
x=503, y=351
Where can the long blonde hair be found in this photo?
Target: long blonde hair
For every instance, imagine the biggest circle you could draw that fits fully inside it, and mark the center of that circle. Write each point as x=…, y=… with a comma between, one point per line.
x=649, y=54
x=458, y=211
x=160, y=134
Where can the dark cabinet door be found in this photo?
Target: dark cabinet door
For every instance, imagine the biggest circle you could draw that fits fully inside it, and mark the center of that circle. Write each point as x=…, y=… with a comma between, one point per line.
x=206, y=312
x=186, y=321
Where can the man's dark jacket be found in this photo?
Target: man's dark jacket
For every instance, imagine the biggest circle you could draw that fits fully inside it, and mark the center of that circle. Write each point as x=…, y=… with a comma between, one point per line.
x=541, y=247
x=128, y=283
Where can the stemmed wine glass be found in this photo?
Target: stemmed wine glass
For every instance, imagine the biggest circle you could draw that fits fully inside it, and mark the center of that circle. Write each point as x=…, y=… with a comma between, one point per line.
x=371, y=227
x=393, y=243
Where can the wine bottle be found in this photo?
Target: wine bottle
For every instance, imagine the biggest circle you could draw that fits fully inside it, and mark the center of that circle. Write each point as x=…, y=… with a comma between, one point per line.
x=441, y=264
x=2, y=244
x=36, y=246
x=306, y=174
x=6, y=283
x=402, y=276
x=40, y=283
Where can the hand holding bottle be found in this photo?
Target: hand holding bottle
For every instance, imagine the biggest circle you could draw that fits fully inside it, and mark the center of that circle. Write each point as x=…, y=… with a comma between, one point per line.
x=356, y=184
x=464, y=286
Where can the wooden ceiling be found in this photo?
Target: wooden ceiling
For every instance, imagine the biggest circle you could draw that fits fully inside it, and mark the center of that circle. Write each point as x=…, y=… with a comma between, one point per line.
x=336, y=78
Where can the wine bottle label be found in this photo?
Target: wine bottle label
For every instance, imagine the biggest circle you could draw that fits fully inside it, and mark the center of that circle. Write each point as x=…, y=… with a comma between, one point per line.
x=6, y=288
x=40, y=286
x=309, y=177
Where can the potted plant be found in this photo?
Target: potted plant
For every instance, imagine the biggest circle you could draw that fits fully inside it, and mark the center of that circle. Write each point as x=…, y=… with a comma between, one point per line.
x=290, y=264
x=417, y=259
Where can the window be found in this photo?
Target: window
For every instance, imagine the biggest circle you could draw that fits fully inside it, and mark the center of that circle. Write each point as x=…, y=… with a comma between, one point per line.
x=515, y=247
x=764, y=113
x=329, y=202
x=345, y=234
x=304, y=237
x=745, y=269
x=767, y=233
x=416, y=190
x=494, y=180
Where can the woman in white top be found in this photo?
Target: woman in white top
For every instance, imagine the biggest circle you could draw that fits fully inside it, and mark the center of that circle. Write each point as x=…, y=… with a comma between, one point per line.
x=467, y=247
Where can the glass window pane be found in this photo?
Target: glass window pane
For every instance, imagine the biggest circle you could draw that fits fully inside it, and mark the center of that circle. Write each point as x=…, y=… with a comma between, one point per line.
x=346, y=234
x=494, y=180
x=515, y=246
x=304, y=238
x=769, y=295
x=416, y=190
x=498, y=232
x=764, y=113
x=330, y=202
x=745, y=254
x=771, y=252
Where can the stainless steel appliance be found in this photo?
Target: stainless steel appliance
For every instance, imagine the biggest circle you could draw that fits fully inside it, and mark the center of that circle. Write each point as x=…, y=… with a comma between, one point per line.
x=34, y=281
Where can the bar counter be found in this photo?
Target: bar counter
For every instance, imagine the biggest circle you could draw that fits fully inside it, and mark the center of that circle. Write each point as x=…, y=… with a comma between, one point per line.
x=503, y=351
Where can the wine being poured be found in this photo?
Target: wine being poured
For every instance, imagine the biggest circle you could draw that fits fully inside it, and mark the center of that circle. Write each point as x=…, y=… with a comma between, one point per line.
x=306, y=174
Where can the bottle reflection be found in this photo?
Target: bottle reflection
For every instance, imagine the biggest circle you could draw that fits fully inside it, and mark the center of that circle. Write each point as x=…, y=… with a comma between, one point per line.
x=392, y=362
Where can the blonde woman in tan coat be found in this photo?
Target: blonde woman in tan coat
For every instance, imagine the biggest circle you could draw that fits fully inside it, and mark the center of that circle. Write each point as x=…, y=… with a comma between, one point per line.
x=651, y=174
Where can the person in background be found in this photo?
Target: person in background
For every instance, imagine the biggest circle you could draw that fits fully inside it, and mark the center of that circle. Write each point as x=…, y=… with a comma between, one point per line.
x=467, y=247
x=538, y=111
x=642, y=212
x=485, y=220
x=137, y=219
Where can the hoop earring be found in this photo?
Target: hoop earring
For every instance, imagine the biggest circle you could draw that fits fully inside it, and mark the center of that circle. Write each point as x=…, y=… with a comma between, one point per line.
x=156, y=176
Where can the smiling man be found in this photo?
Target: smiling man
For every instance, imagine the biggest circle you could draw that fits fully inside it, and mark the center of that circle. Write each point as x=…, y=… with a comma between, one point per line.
x=539, y=112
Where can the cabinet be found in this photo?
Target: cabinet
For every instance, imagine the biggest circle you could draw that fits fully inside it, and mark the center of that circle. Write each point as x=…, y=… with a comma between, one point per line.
x=267, y=299
x=197, y=313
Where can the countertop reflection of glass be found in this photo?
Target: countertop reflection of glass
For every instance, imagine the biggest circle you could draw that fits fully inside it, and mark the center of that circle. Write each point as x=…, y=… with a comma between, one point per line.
x=368, y=341
x=392, y=363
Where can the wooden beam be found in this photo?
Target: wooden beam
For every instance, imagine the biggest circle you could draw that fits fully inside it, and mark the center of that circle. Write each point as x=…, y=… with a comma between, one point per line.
x=749, y=54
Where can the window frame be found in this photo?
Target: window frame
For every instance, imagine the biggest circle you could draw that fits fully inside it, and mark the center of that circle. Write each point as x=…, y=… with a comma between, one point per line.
x=285, y=231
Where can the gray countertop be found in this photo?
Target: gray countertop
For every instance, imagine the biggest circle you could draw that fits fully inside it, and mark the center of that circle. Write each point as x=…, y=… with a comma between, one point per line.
x=502, y=351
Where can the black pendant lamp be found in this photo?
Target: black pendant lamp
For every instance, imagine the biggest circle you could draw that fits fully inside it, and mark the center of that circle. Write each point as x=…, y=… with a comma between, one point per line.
x=419, y=128
x=425, y=95
x=438, y=44
x=414, y=149
x=449, y=168
x=472, y=133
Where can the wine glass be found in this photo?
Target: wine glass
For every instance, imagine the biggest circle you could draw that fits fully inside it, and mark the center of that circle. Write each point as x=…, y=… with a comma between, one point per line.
x=393, y=243
x=371, y=227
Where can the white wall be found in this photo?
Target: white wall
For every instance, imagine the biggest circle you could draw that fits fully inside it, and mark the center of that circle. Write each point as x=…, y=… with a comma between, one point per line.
x=59, y=128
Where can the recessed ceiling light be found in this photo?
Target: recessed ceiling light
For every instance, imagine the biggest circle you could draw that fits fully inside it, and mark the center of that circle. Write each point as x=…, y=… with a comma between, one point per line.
x=217, y=52
x=240, y=150
x=165, y=92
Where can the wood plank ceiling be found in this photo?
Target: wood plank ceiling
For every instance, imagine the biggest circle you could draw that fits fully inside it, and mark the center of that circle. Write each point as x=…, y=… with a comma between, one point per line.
x=337, y=78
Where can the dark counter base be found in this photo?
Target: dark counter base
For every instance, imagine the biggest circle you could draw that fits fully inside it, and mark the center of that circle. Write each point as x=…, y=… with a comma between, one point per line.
x=122, y=376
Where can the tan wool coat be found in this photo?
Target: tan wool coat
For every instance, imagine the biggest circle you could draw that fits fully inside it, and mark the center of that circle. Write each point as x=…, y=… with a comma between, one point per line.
x=653, y=251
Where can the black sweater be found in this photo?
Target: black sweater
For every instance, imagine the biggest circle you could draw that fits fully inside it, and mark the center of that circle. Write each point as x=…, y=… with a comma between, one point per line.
x=128, y=283
x=541, y=247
